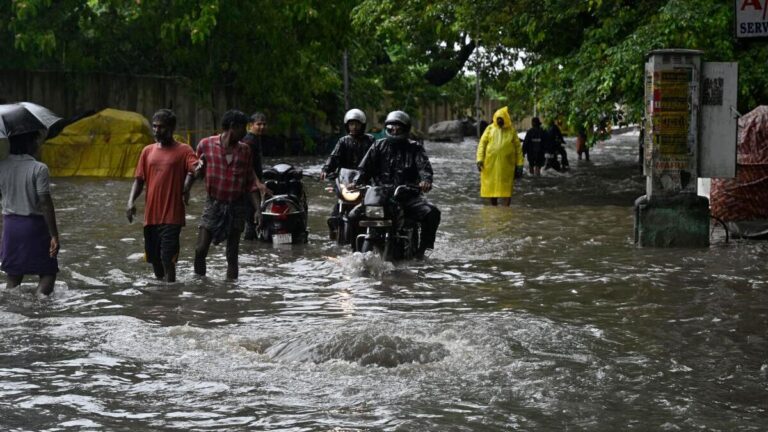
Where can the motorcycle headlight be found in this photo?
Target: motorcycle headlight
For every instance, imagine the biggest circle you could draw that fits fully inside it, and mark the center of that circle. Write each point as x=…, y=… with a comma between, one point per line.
x=374, y=212
x=349, y=195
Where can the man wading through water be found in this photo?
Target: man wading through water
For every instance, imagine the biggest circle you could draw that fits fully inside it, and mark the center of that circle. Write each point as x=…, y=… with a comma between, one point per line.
x=167, y=168
x=226, y=163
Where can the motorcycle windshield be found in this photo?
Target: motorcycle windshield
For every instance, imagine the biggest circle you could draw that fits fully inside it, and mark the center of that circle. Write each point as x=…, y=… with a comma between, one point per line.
x=347, y=176
x=377, y=195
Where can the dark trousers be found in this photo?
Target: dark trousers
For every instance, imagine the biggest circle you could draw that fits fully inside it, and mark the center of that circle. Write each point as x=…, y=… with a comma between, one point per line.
x=563, y=156
x=250, y=220
x=428, y=215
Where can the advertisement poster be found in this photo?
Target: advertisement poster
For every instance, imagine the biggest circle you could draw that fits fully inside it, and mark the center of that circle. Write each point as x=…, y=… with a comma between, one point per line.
x=670, y=119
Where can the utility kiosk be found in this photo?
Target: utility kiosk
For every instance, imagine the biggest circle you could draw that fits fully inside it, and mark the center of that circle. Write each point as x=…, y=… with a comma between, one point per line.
x=690, y=132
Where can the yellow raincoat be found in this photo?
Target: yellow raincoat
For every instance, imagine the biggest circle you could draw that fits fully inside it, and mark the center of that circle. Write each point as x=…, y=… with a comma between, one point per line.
x=500, y=152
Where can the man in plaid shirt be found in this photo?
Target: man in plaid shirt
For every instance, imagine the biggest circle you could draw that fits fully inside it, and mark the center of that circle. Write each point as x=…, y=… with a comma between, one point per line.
x=227, y=165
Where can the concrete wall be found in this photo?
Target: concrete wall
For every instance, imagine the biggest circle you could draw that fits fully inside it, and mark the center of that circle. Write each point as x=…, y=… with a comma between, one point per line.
x=72, y=95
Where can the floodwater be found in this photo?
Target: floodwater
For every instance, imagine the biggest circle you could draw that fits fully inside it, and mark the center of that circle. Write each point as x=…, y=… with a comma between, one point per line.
x=543, y=316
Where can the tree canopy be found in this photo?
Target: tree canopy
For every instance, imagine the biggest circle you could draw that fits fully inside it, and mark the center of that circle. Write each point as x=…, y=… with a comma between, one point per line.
x=578, y=60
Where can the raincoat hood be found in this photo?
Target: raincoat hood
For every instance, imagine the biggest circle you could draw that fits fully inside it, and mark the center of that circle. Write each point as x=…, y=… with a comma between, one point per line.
x=504, y=114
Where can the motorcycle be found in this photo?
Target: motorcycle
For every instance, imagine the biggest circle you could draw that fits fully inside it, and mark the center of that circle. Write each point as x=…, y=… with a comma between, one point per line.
x=388, y=232
x=551, y=160
x=347, y=199
x=283, y=217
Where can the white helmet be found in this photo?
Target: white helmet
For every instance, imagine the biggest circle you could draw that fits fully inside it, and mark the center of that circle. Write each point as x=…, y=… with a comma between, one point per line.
x=401, y=118
x=355, y=114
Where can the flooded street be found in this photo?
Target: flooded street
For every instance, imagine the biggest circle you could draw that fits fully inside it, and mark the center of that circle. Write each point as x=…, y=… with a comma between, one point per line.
x=542, y=316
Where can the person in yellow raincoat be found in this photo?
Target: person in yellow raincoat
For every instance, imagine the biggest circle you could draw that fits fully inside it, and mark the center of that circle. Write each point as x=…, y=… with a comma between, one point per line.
x=499, y=159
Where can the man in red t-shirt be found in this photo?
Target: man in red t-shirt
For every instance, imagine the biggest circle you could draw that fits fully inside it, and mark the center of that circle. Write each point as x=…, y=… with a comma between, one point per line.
x=167, y=168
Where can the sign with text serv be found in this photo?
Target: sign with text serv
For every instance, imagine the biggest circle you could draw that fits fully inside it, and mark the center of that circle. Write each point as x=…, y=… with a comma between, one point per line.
x=751, y=18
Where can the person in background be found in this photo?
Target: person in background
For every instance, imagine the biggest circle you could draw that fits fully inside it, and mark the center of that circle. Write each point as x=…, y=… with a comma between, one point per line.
x=167, y=169
x=30, y=243
x=227, y=165
x=257, y=128
x=348, y=153
x=557, y=141
x=581, y=143
x=534, y=145
x=499, y=159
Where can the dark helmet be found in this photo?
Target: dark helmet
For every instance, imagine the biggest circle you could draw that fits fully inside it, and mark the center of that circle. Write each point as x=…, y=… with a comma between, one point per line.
x=535, y=122
x=401, y=118
x=355, y=114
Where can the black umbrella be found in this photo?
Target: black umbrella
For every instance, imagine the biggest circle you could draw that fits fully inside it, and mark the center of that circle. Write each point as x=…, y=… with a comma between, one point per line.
x=24, y=117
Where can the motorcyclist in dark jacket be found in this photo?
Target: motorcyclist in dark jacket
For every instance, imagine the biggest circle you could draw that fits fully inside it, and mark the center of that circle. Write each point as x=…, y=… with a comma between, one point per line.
x=350, y=148
x=397, y=160
x=348, y=153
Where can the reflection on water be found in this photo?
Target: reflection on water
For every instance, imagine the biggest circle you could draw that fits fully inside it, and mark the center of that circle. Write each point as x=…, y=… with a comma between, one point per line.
x=542, y=316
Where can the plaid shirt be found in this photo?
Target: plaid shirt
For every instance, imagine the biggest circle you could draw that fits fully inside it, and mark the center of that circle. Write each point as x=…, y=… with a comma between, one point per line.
x=226, y=181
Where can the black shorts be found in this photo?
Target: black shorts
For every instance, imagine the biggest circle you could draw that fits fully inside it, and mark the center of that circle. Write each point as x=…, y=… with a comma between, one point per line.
x=536, y=160
x=161, y=243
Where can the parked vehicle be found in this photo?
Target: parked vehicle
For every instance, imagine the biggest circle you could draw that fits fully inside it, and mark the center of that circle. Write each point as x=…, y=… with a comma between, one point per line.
x=388, y=232
x=345, y=230
x=284, y=215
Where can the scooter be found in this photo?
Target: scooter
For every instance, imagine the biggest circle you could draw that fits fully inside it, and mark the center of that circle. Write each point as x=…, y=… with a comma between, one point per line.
x=551, y=162
x=342, y=229
x=388, y=232
x=283, y=217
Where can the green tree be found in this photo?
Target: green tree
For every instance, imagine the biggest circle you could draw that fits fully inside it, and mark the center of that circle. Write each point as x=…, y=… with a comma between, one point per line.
x=580, y=60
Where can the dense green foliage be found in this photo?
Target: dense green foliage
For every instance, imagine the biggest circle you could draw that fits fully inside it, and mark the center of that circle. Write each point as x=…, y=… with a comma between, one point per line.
x=578, y=60
x=582, y=60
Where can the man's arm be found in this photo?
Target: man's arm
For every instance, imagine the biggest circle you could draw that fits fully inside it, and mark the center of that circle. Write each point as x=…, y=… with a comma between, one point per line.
x=366, y=166
x=260, y=186
x=425, y=170
x=189, y=180
x=49, y=215
x=191, y=165
x=136, y=189
x=258, y=160
x=333, y=161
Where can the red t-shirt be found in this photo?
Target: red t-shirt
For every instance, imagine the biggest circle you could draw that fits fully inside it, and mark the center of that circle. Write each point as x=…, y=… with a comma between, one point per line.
x=164, y=170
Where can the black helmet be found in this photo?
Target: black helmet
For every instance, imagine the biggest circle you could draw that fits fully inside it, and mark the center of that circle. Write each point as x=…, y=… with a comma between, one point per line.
x=355, y=114
x=401, y=118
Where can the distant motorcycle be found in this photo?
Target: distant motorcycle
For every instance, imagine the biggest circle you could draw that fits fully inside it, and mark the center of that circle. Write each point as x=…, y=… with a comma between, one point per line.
x=551, y=162
x=347, y=199
x=388, y=232
x=284, y=215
